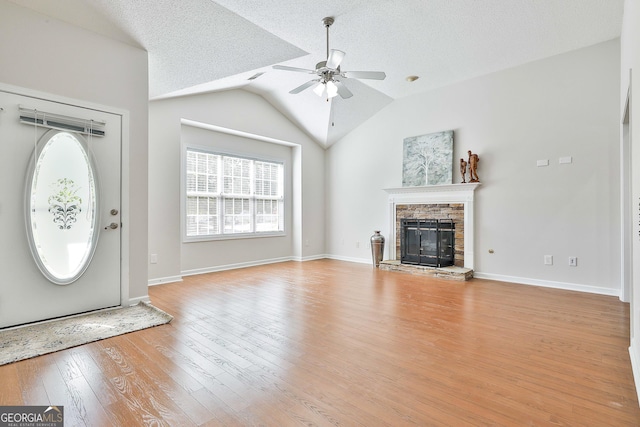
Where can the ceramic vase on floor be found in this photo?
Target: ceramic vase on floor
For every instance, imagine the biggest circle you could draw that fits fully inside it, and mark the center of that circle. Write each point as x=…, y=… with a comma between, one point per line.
x=377, y=247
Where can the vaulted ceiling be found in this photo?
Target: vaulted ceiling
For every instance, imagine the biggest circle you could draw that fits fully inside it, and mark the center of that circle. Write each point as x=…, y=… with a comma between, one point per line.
x=198, y=46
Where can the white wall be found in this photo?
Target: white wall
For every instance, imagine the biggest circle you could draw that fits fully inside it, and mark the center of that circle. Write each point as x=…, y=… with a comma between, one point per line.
x=567, y=105
x=241, y=111
x=42, y=54
x=630, y=60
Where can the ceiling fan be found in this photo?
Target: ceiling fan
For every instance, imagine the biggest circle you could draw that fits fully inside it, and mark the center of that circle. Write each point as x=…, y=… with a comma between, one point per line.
x=328, y=84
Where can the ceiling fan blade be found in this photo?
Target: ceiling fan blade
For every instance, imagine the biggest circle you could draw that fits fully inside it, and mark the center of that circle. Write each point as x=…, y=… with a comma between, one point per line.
x=299, y=70
x=303, y=87
x=372, y=75
x=342, y=90
x=335, y=58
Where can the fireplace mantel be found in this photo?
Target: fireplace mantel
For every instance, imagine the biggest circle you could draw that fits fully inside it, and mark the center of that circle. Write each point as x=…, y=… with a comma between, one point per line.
x=434, y=194
x=436, y=191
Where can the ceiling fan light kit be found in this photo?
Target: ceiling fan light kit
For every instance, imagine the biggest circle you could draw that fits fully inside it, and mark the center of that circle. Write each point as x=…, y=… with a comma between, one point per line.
x=329, y=84
x=326, y=90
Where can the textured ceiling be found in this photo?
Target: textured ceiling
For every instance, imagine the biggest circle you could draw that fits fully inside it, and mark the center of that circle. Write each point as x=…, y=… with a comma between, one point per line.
x=203, y=45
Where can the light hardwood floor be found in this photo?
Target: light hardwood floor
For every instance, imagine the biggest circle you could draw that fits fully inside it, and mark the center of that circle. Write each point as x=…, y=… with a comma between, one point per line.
x=334, y=343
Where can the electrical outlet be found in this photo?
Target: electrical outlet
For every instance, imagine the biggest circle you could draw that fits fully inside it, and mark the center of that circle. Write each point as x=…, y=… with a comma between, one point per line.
x=573, y=261
x=548, y=260
x=357, y=244
x=565, y=160
x=153, y=259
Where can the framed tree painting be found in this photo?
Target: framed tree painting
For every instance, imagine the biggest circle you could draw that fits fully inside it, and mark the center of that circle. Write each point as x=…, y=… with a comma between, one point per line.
x=428, y=159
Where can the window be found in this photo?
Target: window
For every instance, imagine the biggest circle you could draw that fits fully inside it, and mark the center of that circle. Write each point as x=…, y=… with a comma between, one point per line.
x=230, y=195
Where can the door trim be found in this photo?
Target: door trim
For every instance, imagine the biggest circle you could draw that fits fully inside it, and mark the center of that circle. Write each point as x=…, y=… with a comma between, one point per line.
x=124, y=173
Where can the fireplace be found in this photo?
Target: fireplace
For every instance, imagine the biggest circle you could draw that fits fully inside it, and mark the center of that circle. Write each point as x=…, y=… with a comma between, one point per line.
x=437, y=215
x=429, y=242
x=451, y=201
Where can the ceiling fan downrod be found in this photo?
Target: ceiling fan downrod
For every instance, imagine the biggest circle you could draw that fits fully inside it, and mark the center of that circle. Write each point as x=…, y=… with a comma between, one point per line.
x=328, y=21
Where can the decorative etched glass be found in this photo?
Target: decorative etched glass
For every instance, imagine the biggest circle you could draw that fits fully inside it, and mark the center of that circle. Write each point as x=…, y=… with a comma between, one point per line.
x=65, y=204
x=62, y=206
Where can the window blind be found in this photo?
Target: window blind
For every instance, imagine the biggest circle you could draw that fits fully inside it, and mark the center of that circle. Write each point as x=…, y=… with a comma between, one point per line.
x=57, y=121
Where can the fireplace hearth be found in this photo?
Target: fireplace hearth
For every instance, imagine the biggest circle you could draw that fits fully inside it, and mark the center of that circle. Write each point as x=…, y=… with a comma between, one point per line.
x=428, y=242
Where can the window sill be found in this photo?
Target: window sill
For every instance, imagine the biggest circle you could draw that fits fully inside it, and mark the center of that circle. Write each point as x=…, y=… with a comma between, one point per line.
x=237, y=236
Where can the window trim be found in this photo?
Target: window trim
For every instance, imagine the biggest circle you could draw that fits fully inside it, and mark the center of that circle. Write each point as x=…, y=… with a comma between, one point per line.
x=229, y=236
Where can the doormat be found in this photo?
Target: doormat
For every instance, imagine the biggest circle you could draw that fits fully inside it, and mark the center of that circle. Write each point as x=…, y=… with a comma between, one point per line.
x=29, y=341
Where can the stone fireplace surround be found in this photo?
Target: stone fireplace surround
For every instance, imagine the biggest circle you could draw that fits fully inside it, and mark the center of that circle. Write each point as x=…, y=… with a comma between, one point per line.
x=429, y=212
x=423, y=199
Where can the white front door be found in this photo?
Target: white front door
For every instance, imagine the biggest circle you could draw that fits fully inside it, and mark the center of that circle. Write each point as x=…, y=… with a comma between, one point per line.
x=60, y=237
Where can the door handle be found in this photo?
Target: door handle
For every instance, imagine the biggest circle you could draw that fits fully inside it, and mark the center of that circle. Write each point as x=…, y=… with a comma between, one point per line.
x=111, y=226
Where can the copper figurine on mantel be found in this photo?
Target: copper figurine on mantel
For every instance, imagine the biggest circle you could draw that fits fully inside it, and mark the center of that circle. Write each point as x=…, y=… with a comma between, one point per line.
x=473, y=167
x=463, y=170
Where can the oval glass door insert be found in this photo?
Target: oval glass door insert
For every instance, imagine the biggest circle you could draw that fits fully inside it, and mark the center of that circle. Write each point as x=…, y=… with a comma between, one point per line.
x=62, y=206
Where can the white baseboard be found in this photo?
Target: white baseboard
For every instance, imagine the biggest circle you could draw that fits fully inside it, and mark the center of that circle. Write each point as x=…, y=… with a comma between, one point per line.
x=134, y=301
x=549, y=284
x=163, y=280
x=172, y=279
x=235, y=266
x=349, y=259
x=311, y=258
x=635, y=365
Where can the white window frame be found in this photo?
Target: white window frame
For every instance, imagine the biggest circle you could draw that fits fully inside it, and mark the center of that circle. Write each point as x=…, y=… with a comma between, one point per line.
x=219, y=196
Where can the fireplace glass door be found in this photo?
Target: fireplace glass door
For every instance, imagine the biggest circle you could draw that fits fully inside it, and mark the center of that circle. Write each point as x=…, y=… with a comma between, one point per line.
x=427, y=242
